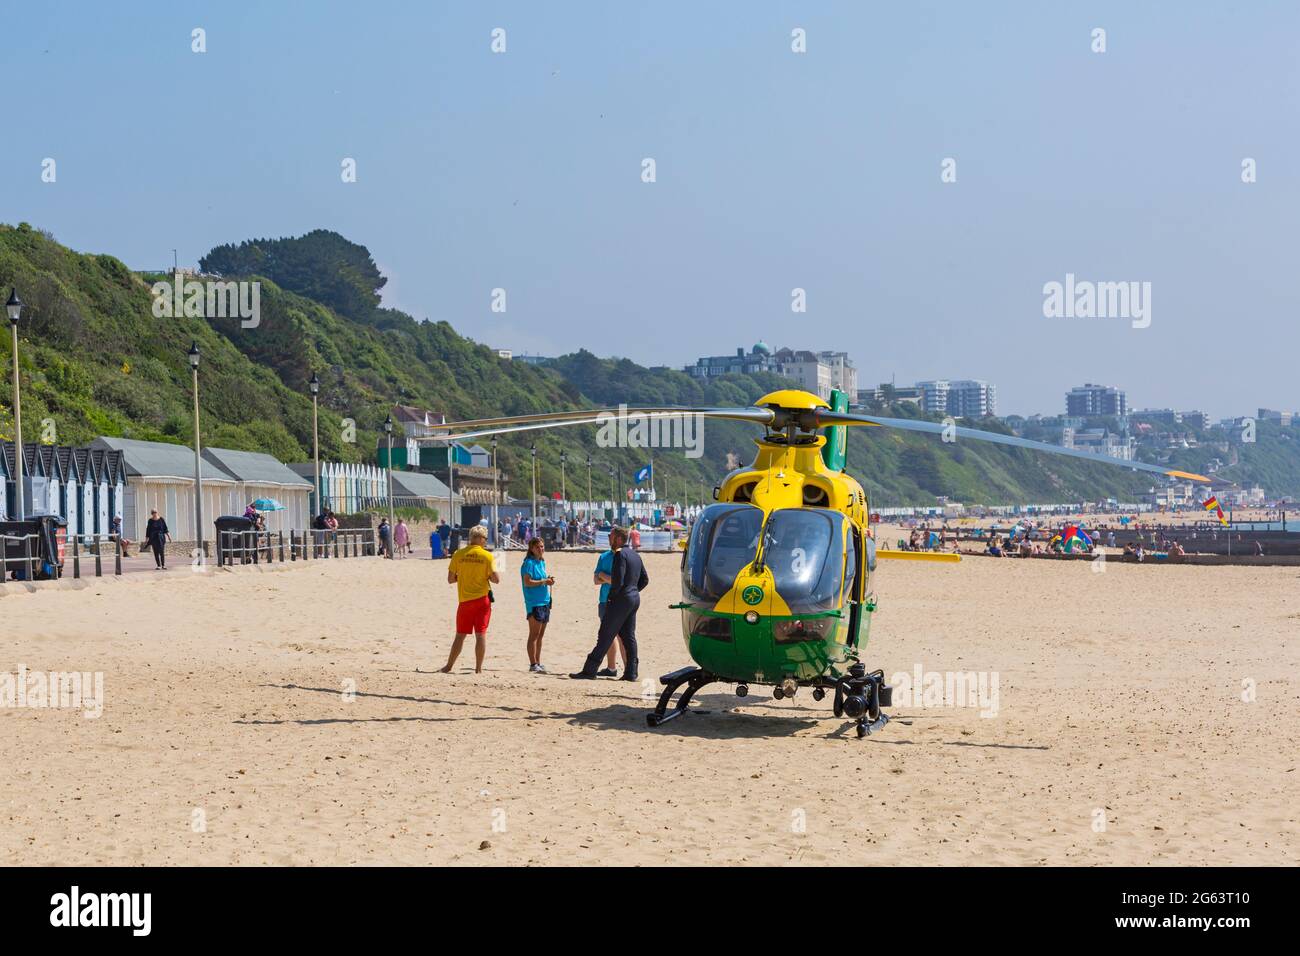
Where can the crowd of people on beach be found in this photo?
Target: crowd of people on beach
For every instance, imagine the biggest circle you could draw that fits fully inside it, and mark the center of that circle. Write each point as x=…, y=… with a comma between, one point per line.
x=619, y=575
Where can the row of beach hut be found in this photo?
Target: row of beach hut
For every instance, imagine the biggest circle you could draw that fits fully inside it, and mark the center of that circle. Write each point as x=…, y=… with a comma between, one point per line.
x=87, y=486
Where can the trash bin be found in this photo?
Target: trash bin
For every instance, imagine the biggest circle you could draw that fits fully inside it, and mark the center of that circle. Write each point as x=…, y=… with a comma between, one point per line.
x=455, y=540
x=46, y=550
x=236, y=548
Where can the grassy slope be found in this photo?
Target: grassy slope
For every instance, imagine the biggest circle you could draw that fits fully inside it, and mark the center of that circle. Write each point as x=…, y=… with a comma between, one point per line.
x=96, y=361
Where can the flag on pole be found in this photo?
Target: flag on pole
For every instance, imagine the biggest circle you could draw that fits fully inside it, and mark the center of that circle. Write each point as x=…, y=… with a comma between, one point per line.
x=1212, y=504
x=643, y=474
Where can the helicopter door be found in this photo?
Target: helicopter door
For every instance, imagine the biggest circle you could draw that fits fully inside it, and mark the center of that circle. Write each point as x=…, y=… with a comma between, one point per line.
x=854, y=583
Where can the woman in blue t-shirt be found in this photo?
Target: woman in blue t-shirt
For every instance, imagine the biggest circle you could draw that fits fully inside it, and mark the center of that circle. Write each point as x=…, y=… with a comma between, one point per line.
x=537, y=600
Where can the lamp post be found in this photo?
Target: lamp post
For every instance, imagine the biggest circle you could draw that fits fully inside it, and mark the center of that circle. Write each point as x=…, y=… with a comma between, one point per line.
x=533, y=452
x=314, y=385
x=451, y=484
x=388, y=430
x=198, y=458
x=588, y=487
x=613, y=503
x=496, y=495
x=564, y=498
x=15, y=308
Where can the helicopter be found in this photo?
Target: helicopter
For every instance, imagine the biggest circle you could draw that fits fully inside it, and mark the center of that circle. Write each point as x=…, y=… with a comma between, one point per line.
x=776, y=573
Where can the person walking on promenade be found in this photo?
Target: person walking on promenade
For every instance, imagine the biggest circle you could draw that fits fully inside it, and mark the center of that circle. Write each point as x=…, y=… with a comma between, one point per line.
x=402, y=538
x=627, y=579
x=156, y=537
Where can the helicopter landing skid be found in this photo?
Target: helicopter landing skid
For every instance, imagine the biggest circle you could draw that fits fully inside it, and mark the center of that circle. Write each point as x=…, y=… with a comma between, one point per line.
x=693, y=677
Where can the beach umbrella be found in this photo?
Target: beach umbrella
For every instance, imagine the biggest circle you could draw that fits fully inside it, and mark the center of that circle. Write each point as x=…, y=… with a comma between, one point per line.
x=267, y=504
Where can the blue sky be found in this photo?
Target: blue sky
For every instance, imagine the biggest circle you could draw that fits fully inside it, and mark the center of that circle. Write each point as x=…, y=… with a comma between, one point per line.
x=775, y=170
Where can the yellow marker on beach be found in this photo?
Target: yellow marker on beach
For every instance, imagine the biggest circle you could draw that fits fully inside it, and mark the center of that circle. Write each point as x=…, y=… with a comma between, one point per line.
x=943, y=557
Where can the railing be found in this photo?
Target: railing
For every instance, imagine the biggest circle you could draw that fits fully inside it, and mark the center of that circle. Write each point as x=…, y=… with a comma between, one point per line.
x=257, y=547
x=28, y=559
x=95, y=543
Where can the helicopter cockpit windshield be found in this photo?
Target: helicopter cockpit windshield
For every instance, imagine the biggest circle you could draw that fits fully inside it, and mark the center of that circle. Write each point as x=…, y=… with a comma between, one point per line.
x=723, y=542
x=804, y=549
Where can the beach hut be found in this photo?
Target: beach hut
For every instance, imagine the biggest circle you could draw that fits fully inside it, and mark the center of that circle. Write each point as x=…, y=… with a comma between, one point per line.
x=263, y=476
x=417, y=489
x=84, y=500
x=53, y=479
x=160, y=475
x=116, y=475
x=100, y=513
x=67, y=486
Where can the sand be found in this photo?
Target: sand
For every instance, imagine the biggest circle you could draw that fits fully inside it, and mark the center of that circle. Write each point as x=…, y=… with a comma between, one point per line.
x=1121, y=735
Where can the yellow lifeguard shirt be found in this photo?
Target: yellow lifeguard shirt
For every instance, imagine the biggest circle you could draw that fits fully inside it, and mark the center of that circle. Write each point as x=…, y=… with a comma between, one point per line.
x=472, y=566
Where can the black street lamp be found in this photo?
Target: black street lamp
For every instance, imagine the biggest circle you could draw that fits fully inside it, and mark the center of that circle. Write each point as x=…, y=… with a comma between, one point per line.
x=198, y=459
x=533, y=452
x=496, y=494
x=314, y=385
x=388, y=430
x=15, y=309
x=564, y=497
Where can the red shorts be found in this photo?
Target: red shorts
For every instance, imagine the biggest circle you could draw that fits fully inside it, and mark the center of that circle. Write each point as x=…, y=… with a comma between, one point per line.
x=473, y=617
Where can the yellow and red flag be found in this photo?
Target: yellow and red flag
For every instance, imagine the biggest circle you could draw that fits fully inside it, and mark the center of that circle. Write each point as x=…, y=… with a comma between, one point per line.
x=1212, y=504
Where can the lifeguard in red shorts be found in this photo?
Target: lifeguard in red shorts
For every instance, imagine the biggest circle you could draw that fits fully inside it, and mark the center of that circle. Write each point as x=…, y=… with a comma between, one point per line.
x=473, y=572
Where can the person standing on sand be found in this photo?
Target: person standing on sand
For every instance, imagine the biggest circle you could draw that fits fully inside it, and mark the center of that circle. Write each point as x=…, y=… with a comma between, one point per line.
x=537, y=601
x=401, y=537
x=156, y=537
x=627, y=579
x=604, y=565
x=473, y=572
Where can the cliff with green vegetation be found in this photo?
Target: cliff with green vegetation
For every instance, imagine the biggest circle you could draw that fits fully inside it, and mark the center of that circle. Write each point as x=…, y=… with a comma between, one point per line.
x=97, y=360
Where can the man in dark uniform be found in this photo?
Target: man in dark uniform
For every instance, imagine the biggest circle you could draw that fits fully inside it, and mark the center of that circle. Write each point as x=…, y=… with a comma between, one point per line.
x=626, y=582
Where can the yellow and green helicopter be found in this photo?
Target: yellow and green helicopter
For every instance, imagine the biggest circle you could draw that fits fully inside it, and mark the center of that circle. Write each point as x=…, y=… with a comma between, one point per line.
x=776, y=574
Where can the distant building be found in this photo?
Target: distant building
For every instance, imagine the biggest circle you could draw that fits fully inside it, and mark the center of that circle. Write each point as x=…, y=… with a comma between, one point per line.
x=758, y=359
x=1090, y=401
x=1270, y=415
x=504, y=354
x=966, y=398
x=887, y=393
x=534, y=359
x=934, y=396
x=1098, y=441
x=1163, y=416
x=816, y=372
x=417, y=422
x=972, y=399
x=844, y=374
x=1198, y=420
x=806, y=370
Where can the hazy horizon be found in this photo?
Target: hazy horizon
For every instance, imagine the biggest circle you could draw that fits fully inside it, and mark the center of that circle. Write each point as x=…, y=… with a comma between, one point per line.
x=775, y=170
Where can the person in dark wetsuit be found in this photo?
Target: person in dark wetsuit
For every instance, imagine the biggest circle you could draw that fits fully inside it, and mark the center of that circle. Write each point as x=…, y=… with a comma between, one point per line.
x=627, y=580
x=156, y=534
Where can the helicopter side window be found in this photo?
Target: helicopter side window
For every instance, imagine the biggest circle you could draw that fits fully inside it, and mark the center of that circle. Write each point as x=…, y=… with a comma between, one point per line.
x=724, y=541
x=804, y=549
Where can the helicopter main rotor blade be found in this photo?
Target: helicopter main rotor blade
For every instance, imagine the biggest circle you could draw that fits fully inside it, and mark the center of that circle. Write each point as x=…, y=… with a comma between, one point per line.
x=521, y=423
x=825, y=417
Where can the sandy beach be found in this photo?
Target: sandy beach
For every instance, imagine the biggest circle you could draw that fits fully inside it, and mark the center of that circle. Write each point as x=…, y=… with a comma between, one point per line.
x=229, y=733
